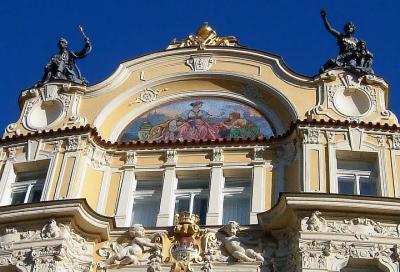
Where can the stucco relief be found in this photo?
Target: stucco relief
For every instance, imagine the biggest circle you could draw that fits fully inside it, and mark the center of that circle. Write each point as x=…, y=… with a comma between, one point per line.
x=135, y=252
x=334, y=255
x=171, y=157
x=200, y=63
x=48, y=106
x=218, y=155
x=47, y=109
x=362, y=228
x=148, y=95
x=395, y=141
x=314, y=223
x=311, y=136
x=235, y=246
x=54, y=247
x=131, y=158
x=350, y=96
x=74, y=143
x=182, y=246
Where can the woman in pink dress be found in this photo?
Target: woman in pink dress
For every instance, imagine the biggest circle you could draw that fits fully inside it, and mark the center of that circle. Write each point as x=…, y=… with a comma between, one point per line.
x=195, y=124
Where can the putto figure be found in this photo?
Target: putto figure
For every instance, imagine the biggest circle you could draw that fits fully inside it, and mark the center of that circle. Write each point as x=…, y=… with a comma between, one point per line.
x=234, y=246
x=62, y=65
x=353, y=54
x=133, y=253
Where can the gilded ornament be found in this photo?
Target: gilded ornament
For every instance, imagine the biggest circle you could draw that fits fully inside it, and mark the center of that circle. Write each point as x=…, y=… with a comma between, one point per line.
x=205, y=36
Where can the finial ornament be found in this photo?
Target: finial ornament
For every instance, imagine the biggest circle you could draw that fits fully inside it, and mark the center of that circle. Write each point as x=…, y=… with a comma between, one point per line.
x=353, y=53
x=205, y=36
x=62, y=65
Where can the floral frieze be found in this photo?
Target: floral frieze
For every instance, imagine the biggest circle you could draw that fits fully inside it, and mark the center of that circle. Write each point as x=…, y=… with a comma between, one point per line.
x=362, y=228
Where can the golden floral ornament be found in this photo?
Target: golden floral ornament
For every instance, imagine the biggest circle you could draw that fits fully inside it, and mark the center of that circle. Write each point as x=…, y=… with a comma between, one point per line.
x=205, y=36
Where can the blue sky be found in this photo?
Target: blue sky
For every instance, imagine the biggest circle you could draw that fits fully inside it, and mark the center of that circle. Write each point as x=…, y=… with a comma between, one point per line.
x=123, y=30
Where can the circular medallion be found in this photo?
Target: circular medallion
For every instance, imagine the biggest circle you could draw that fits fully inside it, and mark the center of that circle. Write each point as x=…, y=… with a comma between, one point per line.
x=352, y=102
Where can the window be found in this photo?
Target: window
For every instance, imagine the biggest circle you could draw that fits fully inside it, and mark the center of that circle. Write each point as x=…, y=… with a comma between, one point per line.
x=357, y=177
x=28, y=186
x=192, y=196
x=237, y=201
x=146, y=201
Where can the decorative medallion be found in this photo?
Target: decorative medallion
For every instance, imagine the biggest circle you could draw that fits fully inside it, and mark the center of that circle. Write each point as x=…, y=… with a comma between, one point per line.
x=148, y=95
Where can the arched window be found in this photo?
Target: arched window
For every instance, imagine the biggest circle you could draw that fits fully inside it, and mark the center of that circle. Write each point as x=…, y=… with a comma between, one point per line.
x=198, y=119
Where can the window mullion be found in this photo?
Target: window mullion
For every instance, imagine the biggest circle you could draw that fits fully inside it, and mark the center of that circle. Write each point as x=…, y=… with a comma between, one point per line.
x=191, y=204
x=357, y=183
x=28, y=192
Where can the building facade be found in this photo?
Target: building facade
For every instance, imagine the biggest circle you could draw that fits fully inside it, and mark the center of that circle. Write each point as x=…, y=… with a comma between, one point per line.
x=206, y=156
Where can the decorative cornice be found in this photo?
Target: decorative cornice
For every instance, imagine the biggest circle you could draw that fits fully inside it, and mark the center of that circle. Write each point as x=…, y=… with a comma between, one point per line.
x=78, y=210
x=299, y=124
x=296, y=204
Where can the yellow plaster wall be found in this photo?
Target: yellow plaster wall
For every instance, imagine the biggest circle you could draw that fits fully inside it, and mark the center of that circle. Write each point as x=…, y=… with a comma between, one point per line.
x=112, y=194
x=150, y=159
x=269, y=186
x=80, y=165
x=92, y=186
x=193, y=158
x=389, y=173
x=314, y=169
x=56, y=174
x=236, y=156
x=66, y=180
x=397, y=169
x=327, y=174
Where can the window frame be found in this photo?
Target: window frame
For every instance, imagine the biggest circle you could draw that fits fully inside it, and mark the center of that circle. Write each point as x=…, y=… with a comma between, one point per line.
x=357, y=170
x=192, y=193
x=30, y=185
x=148, y=193
x=237, y=191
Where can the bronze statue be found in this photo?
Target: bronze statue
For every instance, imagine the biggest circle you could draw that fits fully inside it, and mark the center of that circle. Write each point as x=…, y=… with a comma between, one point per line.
x=62, y=65
x=353, y=54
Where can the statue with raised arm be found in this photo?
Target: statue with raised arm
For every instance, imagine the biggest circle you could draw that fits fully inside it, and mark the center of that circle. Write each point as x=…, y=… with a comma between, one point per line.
x=352, y=54
x=62, y=65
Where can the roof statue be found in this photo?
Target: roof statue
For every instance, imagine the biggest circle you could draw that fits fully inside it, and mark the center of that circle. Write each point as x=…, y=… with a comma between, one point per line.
x=205, y=36
x=62, y=65
x=353, y=53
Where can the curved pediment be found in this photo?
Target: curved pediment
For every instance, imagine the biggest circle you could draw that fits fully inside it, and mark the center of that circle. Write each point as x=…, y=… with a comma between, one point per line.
x=211, y=59
x=245, y=75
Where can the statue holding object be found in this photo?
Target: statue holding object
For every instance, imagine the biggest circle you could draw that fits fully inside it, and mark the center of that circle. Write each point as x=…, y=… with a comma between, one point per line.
x=62, y=65
x=353, y=53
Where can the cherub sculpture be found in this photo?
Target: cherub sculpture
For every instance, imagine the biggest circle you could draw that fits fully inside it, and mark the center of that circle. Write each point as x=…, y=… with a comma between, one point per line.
x=50, y=230
x=316, y=222
x=234, y=246
x=132, y=253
